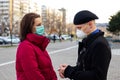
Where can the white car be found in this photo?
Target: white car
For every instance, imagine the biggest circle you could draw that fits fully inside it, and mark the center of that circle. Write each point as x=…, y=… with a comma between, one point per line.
x=66, y=37
x=15, y=40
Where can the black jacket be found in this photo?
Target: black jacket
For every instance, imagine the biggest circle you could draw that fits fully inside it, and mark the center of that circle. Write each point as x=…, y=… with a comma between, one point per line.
x=94, y=55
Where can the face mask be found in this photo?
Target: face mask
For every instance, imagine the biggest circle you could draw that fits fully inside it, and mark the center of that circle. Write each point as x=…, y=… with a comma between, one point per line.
x=81, y=34
x=40, y=30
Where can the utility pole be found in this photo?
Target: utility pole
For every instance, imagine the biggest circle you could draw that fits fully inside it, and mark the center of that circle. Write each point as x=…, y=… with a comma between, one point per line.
x=11, y=18
x=63, y=19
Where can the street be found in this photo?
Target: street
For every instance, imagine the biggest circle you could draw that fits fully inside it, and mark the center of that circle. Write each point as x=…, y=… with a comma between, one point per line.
x=60, y=52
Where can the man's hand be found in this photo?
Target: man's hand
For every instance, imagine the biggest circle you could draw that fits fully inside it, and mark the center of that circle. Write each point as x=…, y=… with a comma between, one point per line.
x=61, y=70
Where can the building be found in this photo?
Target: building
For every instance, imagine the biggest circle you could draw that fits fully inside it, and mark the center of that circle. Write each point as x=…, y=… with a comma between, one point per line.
x=19, y=9
x=54, y=20
x=4, y=14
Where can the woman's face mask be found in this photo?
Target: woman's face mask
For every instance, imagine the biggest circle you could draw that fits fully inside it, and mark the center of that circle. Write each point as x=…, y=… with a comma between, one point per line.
x=40, y=30
x=80, y=34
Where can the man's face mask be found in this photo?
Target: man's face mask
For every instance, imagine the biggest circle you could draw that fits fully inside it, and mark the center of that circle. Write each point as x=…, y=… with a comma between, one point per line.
x=40, y=30
x=80, y=34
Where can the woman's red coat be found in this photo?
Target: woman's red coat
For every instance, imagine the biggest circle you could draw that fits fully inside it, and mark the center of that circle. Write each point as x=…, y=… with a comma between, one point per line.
x=32, y=59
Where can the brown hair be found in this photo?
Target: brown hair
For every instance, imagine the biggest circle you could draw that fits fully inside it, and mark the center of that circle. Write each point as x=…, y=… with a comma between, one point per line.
x=26, y=24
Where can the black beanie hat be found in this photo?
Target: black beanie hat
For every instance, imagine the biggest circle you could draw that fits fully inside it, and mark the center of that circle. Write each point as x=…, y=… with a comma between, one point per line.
x=84, y=16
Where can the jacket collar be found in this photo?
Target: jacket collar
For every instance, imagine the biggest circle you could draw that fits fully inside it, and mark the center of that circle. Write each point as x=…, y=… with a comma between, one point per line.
x=90, y=38
x=38, y=40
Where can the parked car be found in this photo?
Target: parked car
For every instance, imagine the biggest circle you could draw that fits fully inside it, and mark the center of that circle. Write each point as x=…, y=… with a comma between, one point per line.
x=52, y=36
x=7, y=39
x=3, y=41
x=66, y=37
x=15, y=40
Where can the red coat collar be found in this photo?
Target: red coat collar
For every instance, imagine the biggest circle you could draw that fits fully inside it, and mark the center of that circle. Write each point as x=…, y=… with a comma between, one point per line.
x=38, y=40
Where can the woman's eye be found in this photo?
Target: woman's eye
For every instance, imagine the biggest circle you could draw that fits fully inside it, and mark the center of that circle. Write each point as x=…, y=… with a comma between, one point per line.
x=39, y=25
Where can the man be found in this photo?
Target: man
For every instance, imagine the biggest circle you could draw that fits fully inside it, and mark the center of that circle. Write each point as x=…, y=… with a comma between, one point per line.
x=94, y=53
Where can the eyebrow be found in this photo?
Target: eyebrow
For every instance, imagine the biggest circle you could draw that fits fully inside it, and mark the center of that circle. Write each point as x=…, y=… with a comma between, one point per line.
x=39, y=24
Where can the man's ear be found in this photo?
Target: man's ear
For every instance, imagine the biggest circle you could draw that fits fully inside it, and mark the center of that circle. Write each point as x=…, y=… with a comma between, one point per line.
x=90, y=23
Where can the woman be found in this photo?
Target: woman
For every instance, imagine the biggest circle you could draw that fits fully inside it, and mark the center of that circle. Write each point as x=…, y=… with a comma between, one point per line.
x=32, y=59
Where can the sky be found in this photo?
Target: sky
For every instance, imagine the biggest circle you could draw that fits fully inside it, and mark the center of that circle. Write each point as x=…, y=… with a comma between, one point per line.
x=102, y=8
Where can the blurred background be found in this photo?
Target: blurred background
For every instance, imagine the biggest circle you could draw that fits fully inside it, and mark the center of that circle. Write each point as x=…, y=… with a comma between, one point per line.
x=57, y=17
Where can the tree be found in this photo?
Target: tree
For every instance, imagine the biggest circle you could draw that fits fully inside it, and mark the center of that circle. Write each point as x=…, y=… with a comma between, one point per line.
x=114, y=24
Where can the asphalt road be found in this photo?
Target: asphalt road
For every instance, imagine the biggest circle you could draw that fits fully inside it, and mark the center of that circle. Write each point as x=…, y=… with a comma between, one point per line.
x=60, y=52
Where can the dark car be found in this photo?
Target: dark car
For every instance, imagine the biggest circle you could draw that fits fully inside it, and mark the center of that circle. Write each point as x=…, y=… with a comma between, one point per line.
x=52, y=36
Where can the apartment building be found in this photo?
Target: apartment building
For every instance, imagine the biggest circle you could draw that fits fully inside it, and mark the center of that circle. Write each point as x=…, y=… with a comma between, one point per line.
x=19, y=8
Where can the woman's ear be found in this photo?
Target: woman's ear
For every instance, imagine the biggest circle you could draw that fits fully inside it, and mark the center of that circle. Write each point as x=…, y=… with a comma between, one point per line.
x=33, y=29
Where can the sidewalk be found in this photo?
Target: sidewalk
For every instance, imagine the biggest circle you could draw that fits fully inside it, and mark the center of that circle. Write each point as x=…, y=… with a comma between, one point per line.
x=115, y=51
x=114, y=70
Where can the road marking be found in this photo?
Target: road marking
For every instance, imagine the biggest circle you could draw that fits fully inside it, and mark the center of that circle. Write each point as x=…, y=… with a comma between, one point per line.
x=6, y=63
x=56, y=51
x=52, y=52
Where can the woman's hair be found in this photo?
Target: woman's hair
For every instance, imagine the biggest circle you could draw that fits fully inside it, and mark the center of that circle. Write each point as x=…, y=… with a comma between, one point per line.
x=27, y=24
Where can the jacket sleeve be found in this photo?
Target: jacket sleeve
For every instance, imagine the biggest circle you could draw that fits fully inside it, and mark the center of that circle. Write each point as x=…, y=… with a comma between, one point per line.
x=100, y=63
x=54, y=76
x=29, y=63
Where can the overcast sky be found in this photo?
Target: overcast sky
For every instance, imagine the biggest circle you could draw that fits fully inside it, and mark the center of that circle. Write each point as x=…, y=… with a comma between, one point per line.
x=102, y=8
